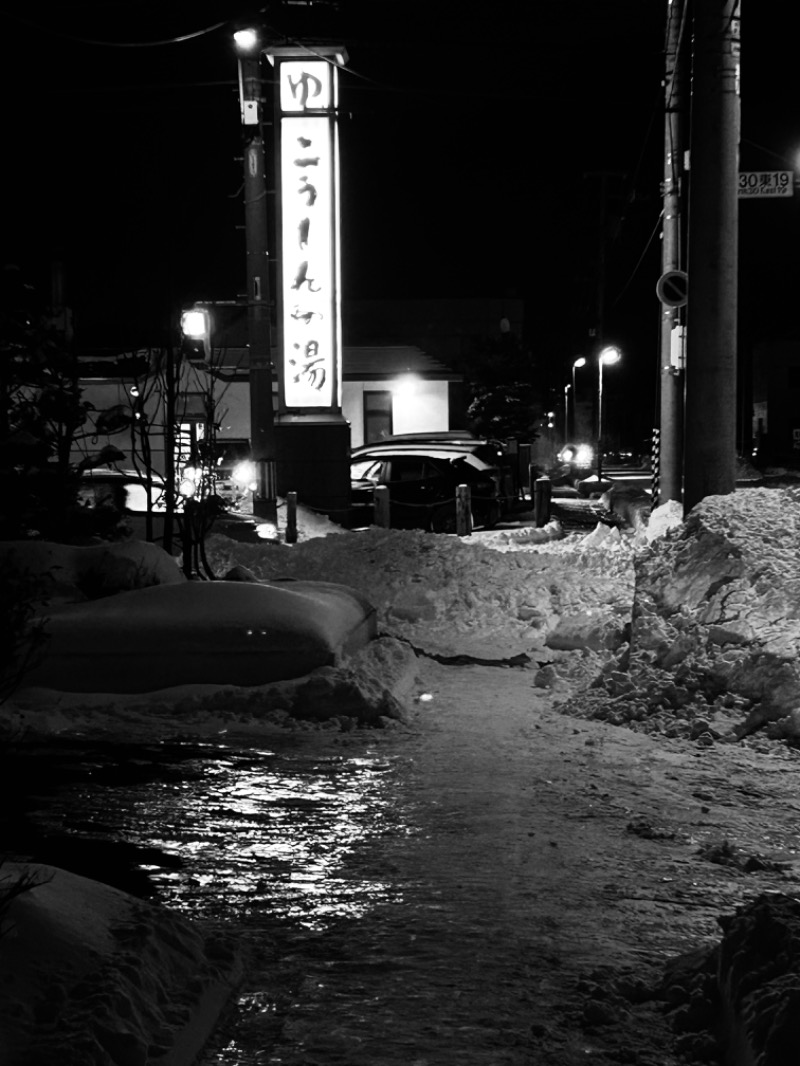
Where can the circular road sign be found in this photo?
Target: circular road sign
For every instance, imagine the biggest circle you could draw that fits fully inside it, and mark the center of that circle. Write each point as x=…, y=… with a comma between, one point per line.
x=672, y=288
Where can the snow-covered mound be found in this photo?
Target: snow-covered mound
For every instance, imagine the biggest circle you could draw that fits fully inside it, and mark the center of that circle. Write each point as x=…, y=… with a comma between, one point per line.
x=90, y=975
x=206, y=632
x=715, y=631
x=66, y=573
x=461, y=597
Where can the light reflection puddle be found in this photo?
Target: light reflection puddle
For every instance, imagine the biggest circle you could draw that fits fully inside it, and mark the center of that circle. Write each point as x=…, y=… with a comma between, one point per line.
x=275, y=848
x=283, y=831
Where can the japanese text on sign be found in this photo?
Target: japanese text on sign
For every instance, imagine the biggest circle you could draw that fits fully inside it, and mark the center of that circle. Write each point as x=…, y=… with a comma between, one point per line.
x=310, y=314
x=766, y=183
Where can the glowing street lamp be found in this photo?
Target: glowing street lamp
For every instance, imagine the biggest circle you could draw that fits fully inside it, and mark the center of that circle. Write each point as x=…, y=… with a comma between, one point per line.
x=607, y=357
x=566, y=412
x=196, y=334
x=579, y=362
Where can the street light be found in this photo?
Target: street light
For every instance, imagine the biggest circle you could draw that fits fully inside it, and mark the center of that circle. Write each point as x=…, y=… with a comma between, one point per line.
x=566, y=412
x=579, y=362
x=606, y=357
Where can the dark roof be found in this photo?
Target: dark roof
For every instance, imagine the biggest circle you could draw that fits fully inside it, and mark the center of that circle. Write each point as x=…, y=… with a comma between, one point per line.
x=369, y=363
x=366, y=363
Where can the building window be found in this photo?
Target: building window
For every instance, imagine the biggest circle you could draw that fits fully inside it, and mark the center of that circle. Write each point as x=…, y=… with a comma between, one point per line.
x=377, y=416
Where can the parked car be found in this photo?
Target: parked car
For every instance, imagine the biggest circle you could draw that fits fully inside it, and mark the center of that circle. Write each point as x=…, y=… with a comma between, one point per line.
x=573, y=463
x=229, y=474
x=124, y=493
x=422, y=475
x=493, y=452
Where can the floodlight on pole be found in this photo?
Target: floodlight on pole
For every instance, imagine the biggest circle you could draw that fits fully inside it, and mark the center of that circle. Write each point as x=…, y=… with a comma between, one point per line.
x=194, y=323
x=196, y=335
x=247, y=40
x=606, y=357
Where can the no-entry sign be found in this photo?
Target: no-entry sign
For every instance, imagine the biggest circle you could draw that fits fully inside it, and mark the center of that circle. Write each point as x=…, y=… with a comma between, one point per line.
x=672, y=288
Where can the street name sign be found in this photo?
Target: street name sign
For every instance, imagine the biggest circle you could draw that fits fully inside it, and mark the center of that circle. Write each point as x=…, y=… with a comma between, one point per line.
x=763, y=184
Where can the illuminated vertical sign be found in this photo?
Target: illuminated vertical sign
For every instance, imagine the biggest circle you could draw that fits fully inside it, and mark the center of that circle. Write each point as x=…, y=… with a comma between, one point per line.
x=310, y=312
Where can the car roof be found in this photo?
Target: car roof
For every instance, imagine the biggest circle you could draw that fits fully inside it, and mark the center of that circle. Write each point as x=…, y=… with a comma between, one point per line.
x=438, y=434
x=439, y=450
x=404, y=446
x=109, y=474
x=442, y=452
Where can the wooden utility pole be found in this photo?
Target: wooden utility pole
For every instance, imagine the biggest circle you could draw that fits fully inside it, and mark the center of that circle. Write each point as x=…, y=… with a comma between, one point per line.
x=262, y=418
x=671, y=363
x=710, y=438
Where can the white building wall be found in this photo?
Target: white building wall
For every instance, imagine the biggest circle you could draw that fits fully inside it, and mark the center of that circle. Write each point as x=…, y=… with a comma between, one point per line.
x=417, y=406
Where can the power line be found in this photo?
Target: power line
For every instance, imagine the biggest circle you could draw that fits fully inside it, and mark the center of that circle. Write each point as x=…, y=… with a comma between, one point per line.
x=77, y=39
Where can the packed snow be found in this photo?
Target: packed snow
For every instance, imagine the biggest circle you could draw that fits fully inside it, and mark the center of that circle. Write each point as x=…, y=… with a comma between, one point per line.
x=679, y=628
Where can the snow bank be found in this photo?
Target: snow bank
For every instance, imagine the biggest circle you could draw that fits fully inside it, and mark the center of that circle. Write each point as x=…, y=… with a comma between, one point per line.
x=493, y=596
x=224, y=632
x=759, y=981
x=72, y=574
x=715, y=629
x=90, y=976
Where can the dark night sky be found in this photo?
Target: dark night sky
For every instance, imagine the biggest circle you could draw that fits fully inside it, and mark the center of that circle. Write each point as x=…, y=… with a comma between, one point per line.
x=472, y=140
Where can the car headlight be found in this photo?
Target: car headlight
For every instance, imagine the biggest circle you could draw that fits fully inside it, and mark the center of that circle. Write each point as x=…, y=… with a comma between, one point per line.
x=244, y=475
x=584, y=455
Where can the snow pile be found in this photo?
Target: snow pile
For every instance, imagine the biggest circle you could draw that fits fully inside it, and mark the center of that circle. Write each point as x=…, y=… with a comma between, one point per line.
x=758, y=978
x=716, y=625
x=90, y=975
x=73, y=574
x=450, y=596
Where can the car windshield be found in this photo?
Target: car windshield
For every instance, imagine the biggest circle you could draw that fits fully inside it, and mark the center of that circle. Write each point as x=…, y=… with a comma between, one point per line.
x=128, y=491
x=471, y=460
x=366, y=469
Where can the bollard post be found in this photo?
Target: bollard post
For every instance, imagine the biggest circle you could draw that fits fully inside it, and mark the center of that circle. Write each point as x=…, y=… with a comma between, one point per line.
x=523, y=470
x=541, y=500
x=463, y=511
x=533, y=473
x=380, y=502
x=291, y=517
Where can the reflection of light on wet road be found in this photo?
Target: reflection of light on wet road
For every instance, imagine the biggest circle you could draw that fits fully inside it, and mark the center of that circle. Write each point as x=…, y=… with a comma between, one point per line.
x=276, y=849
x=263, y=831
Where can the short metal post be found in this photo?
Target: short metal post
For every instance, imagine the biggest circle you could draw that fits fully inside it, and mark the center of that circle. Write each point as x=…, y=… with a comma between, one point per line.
x=463, y=511
x=541, y=500
x=380, y=501
x=291, y=517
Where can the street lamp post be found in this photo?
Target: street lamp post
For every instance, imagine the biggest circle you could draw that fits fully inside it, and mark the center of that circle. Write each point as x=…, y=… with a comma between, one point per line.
x=579, y=362
x=566, y=413
x=607, y=357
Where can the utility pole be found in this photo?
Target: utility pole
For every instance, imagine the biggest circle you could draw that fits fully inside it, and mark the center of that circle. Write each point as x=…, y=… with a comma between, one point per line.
x=710, y=439
x=262, y=418
x=671, y=361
